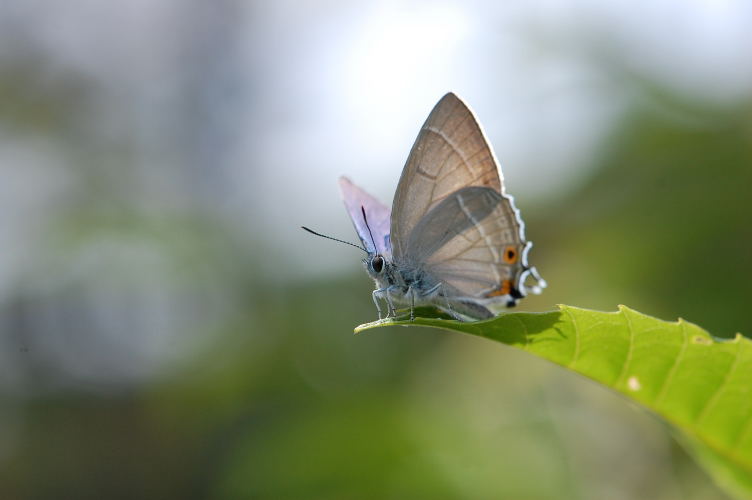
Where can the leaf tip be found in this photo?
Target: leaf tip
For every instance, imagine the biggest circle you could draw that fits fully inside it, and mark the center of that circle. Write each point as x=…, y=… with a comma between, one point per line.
x=361, y=328
x=374, y=324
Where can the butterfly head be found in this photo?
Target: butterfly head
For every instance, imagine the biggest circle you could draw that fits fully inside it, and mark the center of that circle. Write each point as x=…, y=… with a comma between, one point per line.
x=381, y=269
x=375, y=264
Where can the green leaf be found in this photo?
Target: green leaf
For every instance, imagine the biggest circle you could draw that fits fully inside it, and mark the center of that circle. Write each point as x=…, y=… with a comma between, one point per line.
x=699, y=384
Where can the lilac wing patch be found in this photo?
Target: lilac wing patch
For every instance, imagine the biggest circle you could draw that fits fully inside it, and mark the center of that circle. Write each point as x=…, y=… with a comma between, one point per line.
x=377, y=213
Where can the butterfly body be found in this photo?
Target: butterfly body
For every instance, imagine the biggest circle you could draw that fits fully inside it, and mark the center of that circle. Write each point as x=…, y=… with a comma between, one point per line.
x=400, y=283
x=453, y=239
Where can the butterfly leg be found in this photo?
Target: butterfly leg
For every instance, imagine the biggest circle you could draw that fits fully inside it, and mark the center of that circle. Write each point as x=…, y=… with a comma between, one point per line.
x=449, y=308
x=392, y=311
x=411, y=294
x=385, y=293
x=375, y=295
x=412, y=304
x=434, y=293
x=438, y=289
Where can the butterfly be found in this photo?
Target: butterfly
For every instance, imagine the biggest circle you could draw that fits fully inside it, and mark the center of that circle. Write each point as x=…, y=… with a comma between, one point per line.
x=453, y=239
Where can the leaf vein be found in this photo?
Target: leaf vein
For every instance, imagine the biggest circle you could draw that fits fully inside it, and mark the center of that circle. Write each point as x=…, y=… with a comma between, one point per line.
x=667, y=382
x=712, y=400
x=576, y=353
x=630, y=350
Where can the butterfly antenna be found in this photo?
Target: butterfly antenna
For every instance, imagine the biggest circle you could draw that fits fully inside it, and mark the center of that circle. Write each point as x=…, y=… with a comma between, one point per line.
x=335, y=239
x=365, y=219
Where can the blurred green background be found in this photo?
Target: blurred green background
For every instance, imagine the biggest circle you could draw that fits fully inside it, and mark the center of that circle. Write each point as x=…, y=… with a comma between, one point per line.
x=168, y=331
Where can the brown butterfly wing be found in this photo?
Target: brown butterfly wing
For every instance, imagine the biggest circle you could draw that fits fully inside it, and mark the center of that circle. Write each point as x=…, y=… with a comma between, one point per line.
x=450, y=153
x=450, y=216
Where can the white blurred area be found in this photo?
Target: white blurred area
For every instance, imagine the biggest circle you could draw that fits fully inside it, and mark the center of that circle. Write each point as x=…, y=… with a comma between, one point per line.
x=354, y=84
x=245, y=113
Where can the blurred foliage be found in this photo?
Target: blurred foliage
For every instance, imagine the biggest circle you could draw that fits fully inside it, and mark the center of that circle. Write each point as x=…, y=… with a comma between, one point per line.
x=664, y=223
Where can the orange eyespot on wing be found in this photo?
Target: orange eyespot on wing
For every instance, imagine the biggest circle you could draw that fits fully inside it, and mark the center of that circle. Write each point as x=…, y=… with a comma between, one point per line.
x=510, y=254
x=504, y=289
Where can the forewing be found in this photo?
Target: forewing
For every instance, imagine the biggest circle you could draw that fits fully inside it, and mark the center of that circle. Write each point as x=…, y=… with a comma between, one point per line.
x=377, y=214
x=451, y=152
x=471, y=242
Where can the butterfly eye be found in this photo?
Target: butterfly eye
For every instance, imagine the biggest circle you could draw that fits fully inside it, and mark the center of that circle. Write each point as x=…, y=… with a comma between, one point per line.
x=377, y=263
